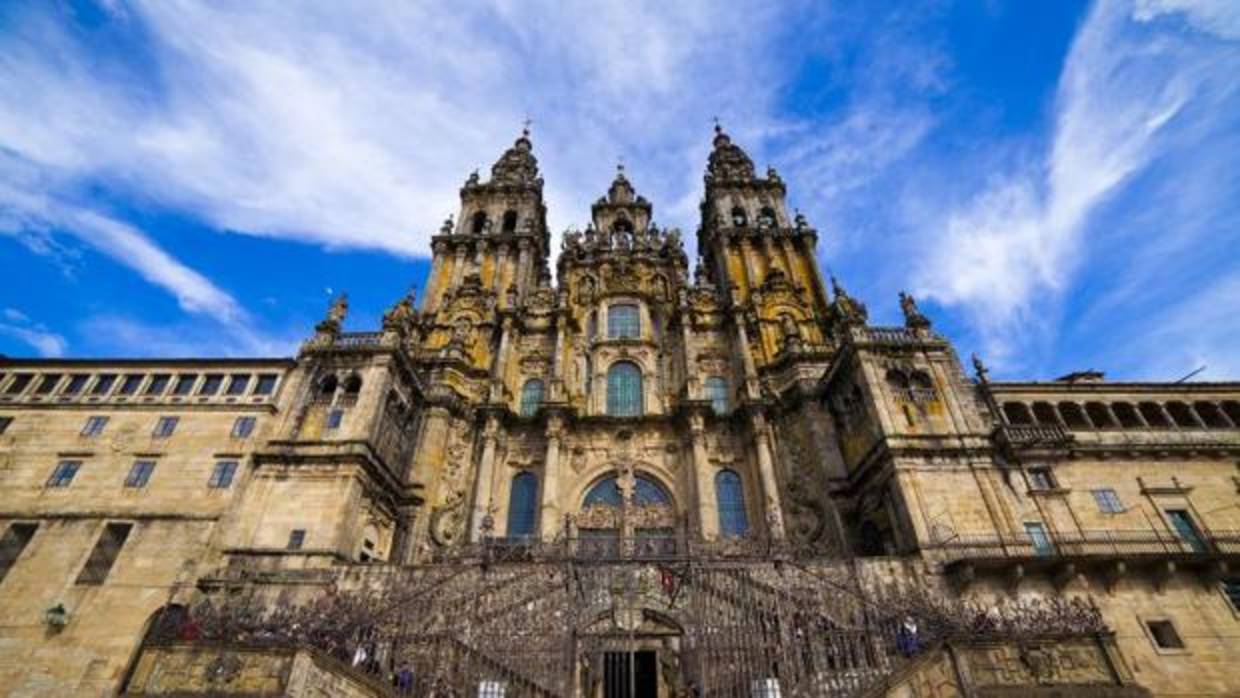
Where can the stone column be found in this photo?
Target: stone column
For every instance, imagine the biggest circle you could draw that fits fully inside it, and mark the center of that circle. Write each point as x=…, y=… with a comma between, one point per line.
x=458, y=265
x=523, y=266
x=435, y=281
x=497, y=274
x=549, y=510
x=501, y=360
x=483, y=485
x=751, y=370
x=707, y=507
x=770, y=486
x=556, y=388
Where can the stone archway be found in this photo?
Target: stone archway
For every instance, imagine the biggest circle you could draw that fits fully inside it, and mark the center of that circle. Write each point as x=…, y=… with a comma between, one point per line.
x=626, y=513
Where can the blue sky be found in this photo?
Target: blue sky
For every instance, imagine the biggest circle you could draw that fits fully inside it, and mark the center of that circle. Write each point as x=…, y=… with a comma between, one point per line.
x=1056, y=181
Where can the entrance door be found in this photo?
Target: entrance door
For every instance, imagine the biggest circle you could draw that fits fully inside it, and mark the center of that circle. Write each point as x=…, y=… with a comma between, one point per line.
x=630, y=675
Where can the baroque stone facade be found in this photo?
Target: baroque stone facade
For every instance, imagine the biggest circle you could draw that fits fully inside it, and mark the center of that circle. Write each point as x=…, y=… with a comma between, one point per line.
x=636, y=409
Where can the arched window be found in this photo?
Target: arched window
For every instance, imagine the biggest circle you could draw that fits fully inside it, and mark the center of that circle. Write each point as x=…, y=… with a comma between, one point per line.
x=607, y=493
x=326, y=390
x=623, y=321
x=766, y=218
x=624, y=390
x=510, y=222
x=480, y=222
x=730, y=496
x=353, y=385
x=622, y=225
x=739, y=219
x=717, y=393
x=531, y=397
x=523, y=505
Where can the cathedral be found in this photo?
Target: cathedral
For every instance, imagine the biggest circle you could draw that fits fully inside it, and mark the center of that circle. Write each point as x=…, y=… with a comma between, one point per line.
x=627, y=476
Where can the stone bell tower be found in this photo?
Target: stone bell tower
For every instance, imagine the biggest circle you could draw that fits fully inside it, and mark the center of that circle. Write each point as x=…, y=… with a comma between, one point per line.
x=500, y=234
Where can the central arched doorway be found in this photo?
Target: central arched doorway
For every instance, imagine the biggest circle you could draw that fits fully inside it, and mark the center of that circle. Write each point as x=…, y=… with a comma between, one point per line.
x=626, y=514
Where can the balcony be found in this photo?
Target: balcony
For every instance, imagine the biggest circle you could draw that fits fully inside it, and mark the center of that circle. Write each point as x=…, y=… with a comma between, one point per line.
x=1063, y=555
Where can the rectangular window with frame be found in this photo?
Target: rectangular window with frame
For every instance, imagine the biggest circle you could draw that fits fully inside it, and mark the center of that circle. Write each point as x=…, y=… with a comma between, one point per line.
x=63, y=474
x=47, y=383
x=296, y=538
x=4, y=424
x=104, y=554
x=1164, y=634
x=211, y=384
x=1037, y=536
x=19, y=383
x=1182, y=524
x=94, y=425
x=103, y=384
x=77, y=381
x=185, y=384
x=1108, y=501
x=1041, y=479
x=623, y=321
x=243, y=427
x=334, y=418
x=140, y=473
x=132, y=382
x=16, y=537
x=164, y=427
x=158, y=384
x=237, y=383
x=266, y=384
x=222, y=474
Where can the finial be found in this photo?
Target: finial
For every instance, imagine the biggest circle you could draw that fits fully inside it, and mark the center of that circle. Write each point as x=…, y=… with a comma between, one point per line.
x=718, y=128
x=980, y=369
x=620, y=165
x=525, y=127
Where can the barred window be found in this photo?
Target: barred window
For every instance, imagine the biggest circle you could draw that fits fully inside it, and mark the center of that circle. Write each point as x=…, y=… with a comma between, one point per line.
x=140, y=473
x=164, y=427
x=624, y=390
x=103, y=384
x=531, y=397
x=104, y=555
x=13, y=543
x=94, y=426
x=211, y=384
x=130, y=385
x=185, y=383
x=730, y=497
x=623, y=322
x=1108, y=501
x=222, y=475
x=238, y=383
x=19, y=383
x=76, y=382
x=158, y=384
x=717, y=393
x=47, y=384
x=523, y=505
x=62, y=475
x=243, y=427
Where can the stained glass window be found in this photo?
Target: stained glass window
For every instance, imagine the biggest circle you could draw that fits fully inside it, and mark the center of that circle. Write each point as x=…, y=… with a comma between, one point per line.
x=531, y=397
x=523, y=505
x=607, y=492
x=624, y=390
x=623, y=321
x=730, y=497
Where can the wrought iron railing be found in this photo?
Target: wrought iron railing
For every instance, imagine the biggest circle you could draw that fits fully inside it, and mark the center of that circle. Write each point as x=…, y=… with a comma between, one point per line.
x=1089, y=543
x=1033, y=434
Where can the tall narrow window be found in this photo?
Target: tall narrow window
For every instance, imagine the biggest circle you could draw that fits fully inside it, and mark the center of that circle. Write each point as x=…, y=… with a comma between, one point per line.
x=140, y=473
x=104, y=555
x=523, y=505
x=1037, y=536
x=94, y=426
x=243, y=427
x=334, y=418
x=531, y=397
x=1182, y=524
x=739, y=219
x=717, y=393
x=480, y=223
x=730, y=496
x=624, y=390
x=510, y=222
x=222, y=475
x=623, y=322
x=62, y=475
x=164, y=427
x=15, y=540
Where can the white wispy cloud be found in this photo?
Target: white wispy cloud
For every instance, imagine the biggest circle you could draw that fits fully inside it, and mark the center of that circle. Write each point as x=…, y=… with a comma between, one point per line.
x=18, y=325
x=1008, y=256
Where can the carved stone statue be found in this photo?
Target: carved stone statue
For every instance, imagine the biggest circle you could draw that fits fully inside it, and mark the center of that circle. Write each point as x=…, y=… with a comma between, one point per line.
x=339, y=308
x=913, y=317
